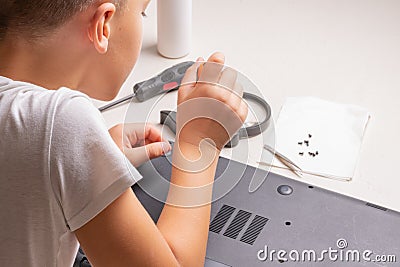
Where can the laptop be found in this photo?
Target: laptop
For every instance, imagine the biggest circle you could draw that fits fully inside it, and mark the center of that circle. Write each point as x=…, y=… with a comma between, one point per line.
x=285, y=222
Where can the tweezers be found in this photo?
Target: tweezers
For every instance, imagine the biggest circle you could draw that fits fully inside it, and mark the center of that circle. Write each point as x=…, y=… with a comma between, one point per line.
x=287, y=162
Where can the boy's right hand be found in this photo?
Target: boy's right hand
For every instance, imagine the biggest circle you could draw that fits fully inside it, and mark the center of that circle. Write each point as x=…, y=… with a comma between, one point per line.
x=210, y=104
x=205, y=111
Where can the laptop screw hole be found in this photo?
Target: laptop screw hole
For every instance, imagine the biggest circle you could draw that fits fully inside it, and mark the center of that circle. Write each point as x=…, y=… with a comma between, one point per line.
x=285, y=190
x=288, y=223
x=310, y=186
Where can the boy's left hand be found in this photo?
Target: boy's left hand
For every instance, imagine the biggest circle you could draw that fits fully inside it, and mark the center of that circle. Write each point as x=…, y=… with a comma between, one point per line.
x=139, y=141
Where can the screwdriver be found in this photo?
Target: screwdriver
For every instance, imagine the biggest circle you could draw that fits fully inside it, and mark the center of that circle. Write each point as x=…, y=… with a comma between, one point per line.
x=168, y=80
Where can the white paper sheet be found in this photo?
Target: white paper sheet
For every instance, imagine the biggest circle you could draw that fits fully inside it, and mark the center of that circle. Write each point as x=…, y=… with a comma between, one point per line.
x=336, y=135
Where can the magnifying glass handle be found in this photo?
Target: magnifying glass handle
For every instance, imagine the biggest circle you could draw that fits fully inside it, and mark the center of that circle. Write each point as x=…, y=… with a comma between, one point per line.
x=168, y=118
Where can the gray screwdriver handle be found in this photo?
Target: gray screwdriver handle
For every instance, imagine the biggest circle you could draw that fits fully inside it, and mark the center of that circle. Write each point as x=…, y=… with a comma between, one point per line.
x=168, y=80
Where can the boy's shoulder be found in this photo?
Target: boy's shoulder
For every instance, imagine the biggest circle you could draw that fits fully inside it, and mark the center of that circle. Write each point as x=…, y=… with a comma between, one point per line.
x=61, y=113
x=29, y=97
x=25, y=89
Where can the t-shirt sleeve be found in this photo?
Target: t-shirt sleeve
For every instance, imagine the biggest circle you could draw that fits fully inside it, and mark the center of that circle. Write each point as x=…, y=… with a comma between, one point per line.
x=87, y=169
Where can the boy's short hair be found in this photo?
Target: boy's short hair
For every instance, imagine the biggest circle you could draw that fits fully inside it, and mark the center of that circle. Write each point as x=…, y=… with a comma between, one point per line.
x=35, y=18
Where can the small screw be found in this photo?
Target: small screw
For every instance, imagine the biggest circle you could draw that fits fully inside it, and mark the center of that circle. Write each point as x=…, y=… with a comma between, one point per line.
x=301, y=153
x=300, y=143
x=309, y=153
x=309, y=135
x=316, y=153
x=306, y=142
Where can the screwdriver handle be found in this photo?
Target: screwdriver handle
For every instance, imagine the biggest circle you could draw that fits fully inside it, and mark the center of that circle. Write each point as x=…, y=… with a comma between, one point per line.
x=168, y=80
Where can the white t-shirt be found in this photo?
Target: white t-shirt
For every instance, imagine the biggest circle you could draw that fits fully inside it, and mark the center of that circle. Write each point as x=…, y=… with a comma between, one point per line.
x=59, y=168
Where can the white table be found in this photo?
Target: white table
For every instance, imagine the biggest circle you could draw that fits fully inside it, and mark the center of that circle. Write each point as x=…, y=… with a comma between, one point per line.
x=346, y=51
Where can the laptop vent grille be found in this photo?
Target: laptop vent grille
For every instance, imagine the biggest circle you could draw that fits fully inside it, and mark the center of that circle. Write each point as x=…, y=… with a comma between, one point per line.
x=237, y=224
x=221, y=218
x=376, y=206
x=244, y=222
x=254, y=229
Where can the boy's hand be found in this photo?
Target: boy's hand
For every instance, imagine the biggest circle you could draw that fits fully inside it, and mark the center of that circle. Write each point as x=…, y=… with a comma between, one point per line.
x=139, y=142
x=210, y=104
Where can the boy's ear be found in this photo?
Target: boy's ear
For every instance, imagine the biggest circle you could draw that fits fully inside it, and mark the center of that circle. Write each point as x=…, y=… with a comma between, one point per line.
x=99, y=30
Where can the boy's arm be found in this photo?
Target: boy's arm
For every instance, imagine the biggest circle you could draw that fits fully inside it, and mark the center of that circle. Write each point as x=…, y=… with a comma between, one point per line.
x=186, y=227
x=123, y=234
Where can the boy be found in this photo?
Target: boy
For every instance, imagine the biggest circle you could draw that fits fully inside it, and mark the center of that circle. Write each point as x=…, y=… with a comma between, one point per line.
x=63, y=178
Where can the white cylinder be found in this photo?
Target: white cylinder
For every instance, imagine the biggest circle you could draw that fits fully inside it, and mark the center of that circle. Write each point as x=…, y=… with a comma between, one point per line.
x=174, y=27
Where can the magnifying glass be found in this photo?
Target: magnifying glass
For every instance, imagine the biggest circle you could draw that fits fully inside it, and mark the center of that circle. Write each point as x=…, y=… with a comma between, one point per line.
x=249, y=128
